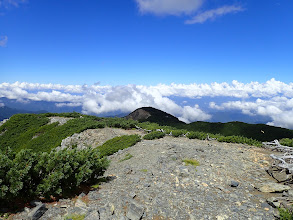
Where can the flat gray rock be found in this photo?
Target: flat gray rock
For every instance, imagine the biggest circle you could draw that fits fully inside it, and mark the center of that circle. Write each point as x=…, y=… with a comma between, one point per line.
x=134, y=212
x=37, y=212
x=271, y=187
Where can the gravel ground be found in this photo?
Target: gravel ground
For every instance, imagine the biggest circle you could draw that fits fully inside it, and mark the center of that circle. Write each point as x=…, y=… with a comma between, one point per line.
x=150, y=181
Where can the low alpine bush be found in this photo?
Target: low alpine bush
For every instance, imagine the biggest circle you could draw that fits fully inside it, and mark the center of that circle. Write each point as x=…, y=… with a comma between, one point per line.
x=154, y=135
x=27, y=174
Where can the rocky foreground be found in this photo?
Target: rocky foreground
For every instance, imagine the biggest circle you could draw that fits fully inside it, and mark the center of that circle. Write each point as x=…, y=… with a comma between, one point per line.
x=150, y=181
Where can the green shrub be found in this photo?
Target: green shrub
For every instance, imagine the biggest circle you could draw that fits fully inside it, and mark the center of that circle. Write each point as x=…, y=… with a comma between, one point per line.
x=149, y=126
x=154, y=135
x=177, y=133
x=287, y=142
x=239, y=140
x=285, y=214
x=27, y=174
x=197, y=135
x=13, y=130
x=65, y=114
x=118, y=143
x=120, y=123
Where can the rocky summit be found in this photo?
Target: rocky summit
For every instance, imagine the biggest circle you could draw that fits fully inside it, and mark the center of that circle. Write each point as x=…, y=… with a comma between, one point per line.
x=176, y=178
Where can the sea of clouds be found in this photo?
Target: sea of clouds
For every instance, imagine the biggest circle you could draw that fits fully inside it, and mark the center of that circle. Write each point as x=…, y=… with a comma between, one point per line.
x=272, y=98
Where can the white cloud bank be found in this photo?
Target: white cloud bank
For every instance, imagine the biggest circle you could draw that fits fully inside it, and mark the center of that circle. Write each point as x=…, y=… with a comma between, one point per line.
x=272, y=98
x=101, y=99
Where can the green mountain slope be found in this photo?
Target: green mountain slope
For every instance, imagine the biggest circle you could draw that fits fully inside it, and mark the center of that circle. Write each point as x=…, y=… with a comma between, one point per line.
x=30, y=131
x=259, y=132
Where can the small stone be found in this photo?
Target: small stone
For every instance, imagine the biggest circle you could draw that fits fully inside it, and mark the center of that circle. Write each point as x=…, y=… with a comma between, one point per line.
x=93, y=215
x=134, y=212
x=147, y=185
x=273, y=202
x=112, y=209
x=205, y=185
x=238, y=203
x=79, y=203
x=234, y=183
x=64, y=206
x=290, y=192
x=176, y=181
x=222, y=217
x=37, y=212
x=132, y=195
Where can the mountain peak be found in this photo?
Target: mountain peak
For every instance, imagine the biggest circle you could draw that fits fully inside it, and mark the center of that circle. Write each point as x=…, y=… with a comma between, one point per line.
x=153, y=115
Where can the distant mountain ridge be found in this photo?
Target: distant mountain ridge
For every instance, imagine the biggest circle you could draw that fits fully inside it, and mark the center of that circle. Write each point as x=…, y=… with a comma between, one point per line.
x=6, y=112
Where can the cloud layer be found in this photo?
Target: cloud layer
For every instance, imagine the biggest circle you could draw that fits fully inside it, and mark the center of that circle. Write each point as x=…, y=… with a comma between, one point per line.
x=272, y=98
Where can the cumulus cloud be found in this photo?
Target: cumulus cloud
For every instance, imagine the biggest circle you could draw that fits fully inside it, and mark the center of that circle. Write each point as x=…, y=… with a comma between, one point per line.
x=3, y=41
x=214, y=13
x=278, y=108
x=168, y=7
x=272, y=98
x=191, y=114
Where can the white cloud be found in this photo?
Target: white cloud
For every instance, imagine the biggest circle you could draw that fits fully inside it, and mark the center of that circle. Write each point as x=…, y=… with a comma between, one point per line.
x=191, y=114
x=68, y=104
x=279, y=109
x=3, y=41
x=168, y=7
x=100, y=99
x=272, y=98
x=214, y=13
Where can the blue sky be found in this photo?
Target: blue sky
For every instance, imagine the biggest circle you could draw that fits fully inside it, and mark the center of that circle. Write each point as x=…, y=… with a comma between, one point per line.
x=118, y=42
x=190, y=58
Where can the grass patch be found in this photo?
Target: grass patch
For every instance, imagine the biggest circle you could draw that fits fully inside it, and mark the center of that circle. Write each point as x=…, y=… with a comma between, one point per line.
x=144, y=170
x=191, y=162
x=118, y=143
x=127, y=157
x=98, y=182
x=75, y=217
